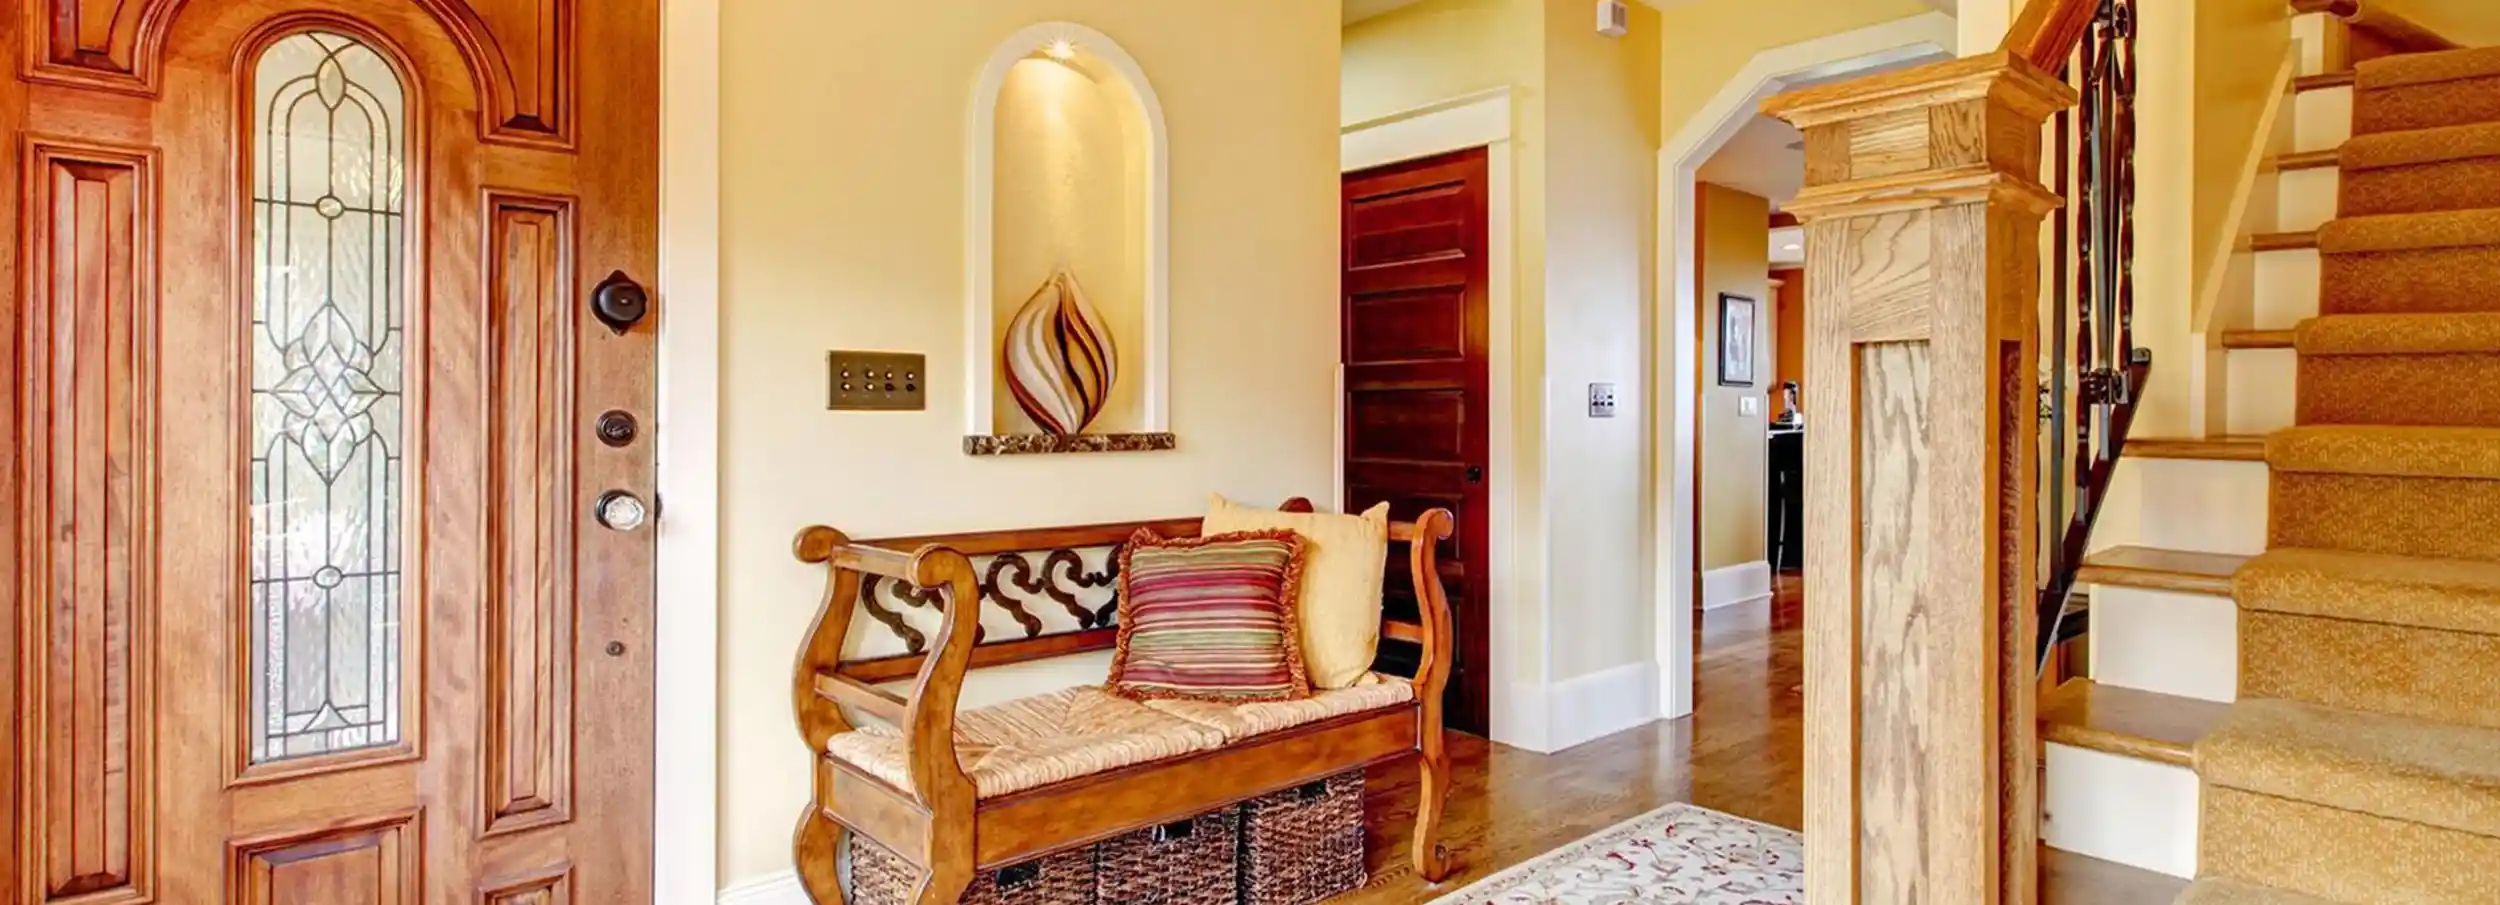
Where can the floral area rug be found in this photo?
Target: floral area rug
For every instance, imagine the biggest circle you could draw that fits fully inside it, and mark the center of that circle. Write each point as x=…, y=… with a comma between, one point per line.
x=1677, y=855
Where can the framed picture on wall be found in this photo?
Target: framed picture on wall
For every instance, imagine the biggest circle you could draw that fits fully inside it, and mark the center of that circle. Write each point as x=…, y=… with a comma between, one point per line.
x=1736, y=340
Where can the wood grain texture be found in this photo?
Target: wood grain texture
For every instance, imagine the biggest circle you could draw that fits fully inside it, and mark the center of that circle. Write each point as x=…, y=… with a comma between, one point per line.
x=90, y=617
x=524, y=54
x=515, y=713
x=530, y=607
x=2283, y=241
x=2155, y=569
x=2213, y=449
x=2259, y=339
x=2127, y=722
x=1932, y=274
x=1898, y=658
x=547, y=887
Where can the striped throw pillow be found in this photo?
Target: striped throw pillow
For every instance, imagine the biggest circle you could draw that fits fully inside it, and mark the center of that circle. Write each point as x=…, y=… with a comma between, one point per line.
x=1210, y=619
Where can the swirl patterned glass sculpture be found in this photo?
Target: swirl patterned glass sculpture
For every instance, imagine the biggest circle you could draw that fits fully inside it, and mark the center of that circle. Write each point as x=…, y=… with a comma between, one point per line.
x=1060, y=361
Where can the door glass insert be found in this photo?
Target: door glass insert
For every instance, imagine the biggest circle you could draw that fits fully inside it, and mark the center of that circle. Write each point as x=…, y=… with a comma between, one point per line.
x=328, y=143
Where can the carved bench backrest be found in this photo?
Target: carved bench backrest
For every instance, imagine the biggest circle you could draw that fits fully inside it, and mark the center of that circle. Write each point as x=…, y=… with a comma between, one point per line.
x=1045, y=592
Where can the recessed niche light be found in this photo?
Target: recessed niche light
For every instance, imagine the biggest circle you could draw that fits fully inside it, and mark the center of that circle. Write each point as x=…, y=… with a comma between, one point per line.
x=1062, y=50
x=1792, y=246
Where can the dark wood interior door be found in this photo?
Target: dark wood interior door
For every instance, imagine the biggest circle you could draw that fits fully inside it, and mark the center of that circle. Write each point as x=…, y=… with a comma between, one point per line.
x=307, y=599
x=1418, y=387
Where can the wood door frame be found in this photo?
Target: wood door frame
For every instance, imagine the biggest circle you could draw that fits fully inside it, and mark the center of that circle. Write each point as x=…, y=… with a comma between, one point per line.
x=686, y=765
x=1479, y=120
x=1674, y=490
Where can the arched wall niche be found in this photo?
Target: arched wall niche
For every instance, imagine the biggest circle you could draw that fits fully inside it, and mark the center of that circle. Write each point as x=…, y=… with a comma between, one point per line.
x=1070, y=169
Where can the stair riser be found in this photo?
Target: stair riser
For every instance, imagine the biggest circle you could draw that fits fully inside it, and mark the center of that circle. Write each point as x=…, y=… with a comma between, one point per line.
x=2424, y=281
x=2261, y=400
x=2166, y=642
x=2341, y=855
x=2306, y=199
x=2187, y=504
x=2287, y=288
x=2420, y=390
x=2322, y=119
x=2139, y=813
x=2451, y=677
x=2452, y=186
x=2454, y=103
x=2435, y=517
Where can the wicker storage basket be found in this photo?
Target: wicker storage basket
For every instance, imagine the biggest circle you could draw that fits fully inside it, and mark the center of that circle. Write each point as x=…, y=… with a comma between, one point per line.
x=1304, y=844
x=1191, y=862
x=881, y=877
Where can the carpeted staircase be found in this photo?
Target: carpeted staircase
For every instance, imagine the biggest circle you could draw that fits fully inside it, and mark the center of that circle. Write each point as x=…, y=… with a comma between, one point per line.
x=2361, y=765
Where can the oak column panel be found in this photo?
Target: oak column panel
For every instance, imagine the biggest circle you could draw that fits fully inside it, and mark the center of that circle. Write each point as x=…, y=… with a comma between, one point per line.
x=1923, y=213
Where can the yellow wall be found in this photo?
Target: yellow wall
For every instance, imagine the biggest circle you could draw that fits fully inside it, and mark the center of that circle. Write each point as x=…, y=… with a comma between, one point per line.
x=1600, y=281
x=2473, y=23
x=1071, y=167
x=1709, y=40
x=1585, y=139
x=1735, y=259
x=843, y=199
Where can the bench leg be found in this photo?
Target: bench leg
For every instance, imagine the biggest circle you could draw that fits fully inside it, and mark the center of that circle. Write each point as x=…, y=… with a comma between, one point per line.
x=1432, y=859
x=944, y=885
x=817, y=846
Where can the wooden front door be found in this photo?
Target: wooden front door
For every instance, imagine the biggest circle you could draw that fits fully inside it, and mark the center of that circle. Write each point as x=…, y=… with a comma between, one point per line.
x=1418, y=386
x=306, y=596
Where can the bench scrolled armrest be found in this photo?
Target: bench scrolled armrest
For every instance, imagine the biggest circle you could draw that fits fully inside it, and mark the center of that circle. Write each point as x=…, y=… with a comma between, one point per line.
x=1432, y=604
x=926, y=715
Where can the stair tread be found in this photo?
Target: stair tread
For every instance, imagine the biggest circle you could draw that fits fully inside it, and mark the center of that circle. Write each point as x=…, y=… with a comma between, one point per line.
x=2307, y=238
x=2161, y=570
x=2417, y=147
x=2443, y=775
x=2427, y=68
x=2225, y=891
x=2310, y=160
x=2325, y=80
x=2229, y=449
x=2259, y=339
x=2128, y=722
x=2454, y=595
x=2449, y=333
x=2471, y=453
x=2067, y=878
x=2471, y=228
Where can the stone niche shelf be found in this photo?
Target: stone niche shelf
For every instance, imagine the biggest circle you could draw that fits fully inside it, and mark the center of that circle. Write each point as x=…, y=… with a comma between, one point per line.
x=1040, y=444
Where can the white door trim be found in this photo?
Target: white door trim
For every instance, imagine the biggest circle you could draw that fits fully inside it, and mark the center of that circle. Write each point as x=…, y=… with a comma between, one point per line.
x=1479, y=120
x=1678, y=418
x=685, y=755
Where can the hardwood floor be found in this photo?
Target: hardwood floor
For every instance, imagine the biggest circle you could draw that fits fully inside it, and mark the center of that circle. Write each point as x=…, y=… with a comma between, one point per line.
x=1741, y=752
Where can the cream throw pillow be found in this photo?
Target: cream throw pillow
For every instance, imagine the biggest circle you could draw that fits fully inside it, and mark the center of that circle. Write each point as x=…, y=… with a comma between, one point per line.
x=1341, y=577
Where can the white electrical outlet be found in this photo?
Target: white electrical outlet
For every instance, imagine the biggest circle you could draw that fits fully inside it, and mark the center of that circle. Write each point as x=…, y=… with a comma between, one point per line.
x=1601, y=400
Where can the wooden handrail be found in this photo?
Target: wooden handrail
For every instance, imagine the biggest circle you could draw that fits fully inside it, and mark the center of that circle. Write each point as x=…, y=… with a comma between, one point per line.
x=2394, y=31
x=2046, y=32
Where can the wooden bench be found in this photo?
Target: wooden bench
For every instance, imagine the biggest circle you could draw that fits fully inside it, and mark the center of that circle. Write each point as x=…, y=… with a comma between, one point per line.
x=939, y=822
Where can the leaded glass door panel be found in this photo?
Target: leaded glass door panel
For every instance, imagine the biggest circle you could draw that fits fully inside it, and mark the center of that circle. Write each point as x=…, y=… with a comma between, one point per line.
x=309, y=603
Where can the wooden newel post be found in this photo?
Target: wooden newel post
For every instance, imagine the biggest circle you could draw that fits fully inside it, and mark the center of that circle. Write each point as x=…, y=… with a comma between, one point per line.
x=1923, y=209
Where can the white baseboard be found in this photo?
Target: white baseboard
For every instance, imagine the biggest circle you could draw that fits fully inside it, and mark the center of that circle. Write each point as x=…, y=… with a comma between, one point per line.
x=1736, y=585
x=1600, y=704
x=774, y=889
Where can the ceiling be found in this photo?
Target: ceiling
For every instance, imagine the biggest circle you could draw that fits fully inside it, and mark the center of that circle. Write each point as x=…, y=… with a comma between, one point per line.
x=1766, y=158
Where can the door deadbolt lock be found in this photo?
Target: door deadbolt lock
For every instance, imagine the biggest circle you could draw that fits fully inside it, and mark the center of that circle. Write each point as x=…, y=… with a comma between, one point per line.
x=619, y=302
x=617, y=428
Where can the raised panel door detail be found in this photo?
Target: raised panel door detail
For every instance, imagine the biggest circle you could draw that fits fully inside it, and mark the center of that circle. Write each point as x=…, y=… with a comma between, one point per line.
x=1419, y=325
x=329, y=365
x=525, y=51
x=528, y=732
x=1416, y=425
x=553, y=887
x=373, y=862
x=87, y=524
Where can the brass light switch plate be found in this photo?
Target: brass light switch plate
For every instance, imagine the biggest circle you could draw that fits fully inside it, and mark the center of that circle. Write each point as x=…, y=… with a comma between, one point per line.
x=877, y=381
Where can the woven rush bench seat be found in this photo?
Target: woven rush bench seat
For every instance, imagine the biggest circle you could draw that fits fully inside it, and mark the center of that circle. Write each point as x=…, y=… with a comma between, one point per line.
x=954, y=793
x=1075, y=732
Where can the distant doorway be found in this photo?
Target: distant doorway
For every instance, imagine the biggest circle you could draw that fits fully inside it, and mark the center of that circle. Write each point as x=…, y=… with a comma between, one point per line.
x=1414, y=339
